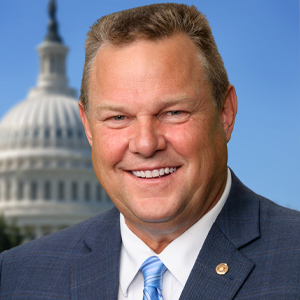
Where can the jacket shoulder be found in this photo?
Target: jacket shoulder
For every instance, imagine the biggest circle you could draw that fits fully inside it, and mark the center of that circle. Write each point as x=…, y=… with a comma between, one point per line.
x=71, y=236
x=281, y=222
x=43, y=262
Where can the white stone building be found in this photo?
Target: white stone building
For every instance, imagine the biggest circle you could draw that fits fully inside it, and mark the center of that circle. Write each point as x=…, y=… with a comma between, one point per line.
x=47, y=181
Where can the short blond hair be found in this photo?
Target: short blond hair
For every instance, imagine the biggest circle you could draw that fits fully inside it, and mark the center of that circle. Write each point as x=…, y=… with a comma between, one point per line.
x=154, y=22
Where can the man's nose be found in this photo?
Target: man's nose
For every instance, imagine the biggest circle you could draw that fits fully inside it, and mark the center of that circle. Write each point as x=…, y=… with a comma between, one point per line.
x=147, y=137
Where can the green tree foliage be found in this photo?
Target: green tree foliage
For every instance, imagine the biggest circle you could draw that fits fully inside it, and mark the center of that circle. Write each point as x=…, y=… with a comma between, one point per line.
x=10, y=235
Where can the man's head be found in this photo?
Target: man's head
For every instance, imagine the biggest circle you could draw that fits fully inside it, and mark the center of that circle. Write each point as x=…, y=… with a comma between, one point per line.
x=158, y=138
x=155, y=22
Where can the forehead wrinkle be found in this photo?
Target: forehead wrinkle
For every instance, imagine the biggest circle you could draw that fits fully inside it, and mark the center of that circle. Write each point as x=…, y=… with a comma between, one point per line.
x=129, y=93
x=145, y=83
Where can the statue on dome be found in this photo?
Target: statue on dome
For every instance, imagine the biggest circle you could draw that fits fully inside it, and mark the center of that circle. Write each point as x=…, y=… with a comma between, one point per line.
x=52, y=9
x=52, y=34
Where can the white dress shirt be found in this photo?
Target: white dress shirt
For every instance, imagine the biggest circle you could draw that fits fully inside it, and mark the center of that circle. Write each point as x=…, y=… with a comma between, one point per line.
x=179, y=256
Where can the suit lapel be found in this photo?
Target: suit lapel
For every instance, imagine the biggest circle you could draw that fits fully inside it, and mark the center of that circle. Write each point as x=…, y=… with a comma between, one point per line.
x=236, y=226
x=204, y=282
x=96, y=275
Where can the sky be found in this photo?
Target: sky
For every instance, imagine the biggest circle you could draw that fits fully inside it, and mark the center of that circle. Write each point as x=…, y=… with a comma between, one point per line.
x=260, y=45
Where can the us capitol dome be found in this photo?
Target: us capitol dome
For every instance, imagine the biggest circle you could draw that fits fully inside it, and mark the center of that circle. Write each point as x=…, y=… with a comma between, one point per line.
x=47, y=181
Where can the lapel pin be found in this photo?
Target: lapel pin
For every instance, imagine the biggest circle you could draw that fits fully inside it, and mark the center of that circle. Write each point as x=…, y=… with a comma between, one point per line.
x=222, y=269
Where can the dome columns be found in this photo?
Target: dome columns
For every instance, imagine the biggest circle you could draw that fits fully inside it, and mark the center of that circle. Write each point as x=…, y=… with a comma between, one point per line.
x=52, y=78
x=52, y=65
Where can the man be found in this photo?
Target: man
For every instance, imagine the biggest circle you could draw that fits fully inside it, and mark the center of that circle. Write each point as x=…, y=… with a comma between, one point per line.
x=158, y=111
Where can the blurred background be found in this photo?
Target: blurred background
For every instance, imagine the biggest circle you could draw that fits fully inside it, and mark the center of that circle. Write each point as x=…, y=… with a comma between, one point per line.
x=259, y=43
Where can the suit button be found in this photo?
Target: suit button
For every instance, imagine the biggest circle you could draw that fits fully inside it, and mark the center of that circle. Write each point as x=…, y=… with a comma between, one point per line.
x=222, y=269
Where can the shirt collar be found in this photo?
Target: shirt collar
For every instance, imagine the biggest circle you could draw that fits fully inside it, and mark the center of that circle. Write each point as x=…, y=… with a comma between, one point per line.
x=179, y=256
x=133, y=253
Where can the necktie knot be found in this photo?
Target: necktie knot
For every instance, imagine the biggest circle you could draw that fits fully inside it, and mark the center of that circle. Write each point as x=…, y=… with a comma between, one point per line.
x=153, y=270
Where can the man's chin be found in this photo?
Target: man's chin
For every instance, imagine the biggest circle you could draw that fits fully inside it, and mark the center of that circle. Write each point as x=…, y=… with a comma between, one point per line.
x=154, y=215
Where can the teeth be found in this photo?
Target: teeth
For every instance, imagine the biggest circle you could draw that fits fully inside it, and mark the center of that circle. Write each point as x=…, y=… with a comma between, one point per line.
x=154, y=173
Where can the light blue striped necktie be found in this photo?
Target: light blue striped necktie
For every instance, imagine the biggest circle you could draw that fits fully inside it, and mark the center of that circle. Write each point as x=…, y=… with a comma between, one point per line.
x=153, y=270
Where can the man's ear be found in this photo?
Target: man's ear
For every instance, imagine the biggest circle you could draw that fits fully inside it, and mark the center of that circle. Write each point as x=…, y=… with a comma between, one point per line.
x=86, y=123
x=229, y=111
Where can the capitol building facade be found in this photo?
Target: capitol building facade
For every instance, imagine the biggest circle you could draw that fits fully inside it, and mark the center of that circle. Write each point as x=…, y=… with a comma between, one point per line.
x=47, y=181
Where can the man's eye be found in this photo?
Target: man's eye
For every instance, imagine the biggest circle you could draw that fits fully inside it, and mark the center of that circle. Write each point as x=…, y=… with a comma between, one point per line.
x=118, y=118
x=117, y=121
x=174, y=113
x=174, y=116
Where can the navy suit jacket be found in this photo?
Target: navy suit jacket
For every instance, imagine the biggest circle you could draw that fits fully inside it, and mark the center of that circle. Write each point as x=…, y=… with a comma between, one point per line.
x=259, y=240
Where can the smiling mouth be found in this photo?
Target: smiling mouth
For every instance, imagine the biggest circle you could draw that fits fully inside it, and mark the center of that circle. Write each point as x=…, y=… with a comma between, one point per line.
x=155, y=173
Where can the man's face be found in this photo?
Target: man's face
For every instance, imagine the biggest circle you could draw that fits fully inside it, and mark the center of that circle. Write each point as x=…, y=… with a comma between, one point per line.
x=158, y=141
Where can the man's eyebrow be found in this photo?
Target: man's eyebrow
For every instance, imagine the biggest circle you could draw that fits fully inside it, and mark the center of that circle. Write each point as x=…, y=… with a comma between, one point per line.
x=162, y=103
x=177, y=100
x=112, y=107
x=167, y=101
x=188, y=100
